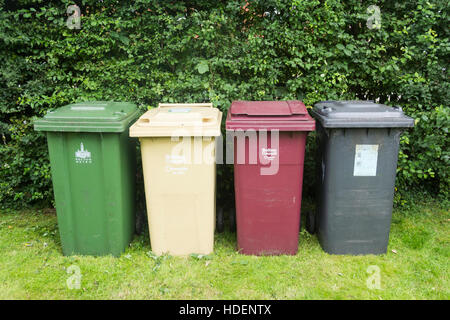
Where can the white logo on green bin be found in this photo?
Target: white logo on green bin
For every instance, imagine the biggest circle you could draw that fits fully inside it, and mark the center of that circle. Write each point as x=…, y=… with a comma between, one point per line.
x=82, y=155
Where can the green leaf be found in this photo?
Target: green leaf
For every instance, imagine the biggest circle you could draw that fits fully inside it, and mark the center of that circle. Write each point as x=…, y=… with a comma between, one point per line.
x=202, y=67
x=124, y=39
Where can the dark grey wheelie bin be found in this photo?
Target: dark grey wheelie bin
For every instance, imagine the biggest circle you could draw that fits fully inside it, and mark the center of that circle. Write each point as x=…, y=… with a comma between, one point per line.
x=358, y=145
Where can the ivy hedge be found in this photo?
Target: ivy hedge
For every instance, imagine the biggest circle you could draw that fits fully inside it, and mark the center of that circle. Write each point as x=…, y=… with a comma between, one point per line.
x=150, y=51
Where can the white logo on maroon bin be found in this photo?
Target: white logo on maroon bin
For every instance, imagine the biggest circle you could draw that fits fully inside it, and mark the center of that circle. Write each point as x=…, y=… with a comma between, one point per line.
x=82, y=155
x=269, y=154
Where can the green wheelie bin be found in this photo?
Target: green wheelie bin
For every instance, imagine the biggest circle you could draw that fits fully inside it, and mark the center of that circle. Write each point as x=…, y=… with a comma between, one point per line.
x=93, y=164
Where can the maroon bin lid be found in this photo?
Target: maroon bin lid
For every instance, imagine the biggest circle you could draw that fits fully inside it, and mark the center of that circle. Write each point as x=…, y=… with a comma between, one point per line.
x=269, y=115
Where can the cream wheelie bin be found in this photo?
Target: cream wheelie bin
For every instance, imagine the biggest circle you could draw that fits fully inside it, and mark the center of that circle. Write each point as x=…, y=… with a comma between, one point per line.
x=178, y=144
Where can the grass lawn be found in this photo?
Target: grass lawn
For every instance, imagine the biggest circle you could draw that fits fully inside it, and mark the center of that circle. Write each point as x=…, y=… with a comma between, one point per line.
x=416, y=266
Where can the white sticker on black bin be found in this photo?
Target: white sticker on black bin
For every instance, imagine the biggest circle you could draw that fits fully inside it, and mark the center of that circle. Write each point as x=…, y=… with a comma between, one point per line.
x=366, y=158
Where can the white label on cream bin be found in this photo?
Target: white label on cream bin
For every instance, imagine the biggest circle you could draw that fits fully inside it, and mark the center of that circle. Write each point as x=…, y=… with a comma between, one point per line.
x=172, y=162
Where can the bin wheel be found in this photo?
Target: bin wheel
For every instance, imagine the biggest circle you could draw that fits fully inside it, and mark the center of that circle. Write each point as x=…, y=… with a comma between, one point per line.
x=219, y=220
x=232, y=216
x=310, y=222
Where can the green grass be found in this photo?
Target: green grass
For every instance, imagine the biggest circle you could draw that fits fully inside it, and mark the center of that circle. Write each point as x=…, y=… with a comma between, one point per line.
x=32, y=266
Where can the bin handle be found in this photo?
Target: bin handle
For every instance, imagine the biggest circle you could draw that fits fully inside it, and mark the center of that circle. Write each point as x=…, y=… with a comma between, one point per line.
x=145, y=119
x=184, y=105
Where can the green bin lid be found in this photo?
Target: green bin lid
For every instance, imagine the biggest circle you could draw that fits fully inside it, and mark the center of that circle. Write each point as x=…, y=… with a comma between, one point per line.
x=360, y=114
x=91, y=116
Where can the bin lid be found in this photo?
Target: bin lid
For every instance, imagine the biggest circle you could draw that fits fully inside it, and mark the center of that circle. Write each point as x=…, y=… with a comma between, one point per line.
x=91, y=116
x=269, y=115
x=360, y=114
x=178, y=119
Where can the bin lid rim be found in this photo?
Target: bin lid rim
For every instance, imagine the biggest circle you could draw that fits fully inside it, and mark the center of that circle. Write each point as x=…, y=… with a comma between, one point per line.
x=91, y=110
x=261, y=109
x=178, y=121
x=359, y=113
x=89, y=116
x=269, y=115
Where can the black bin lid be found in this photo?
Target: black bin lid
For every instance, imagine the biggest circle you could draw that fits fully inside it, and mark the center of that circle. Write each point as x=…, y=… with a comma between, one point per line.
x=359, y=114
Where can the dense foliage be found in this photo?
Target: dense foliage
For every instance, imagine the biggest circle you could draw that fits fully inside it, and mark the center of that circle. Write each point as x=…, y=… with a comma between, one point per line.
x=149, y=51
